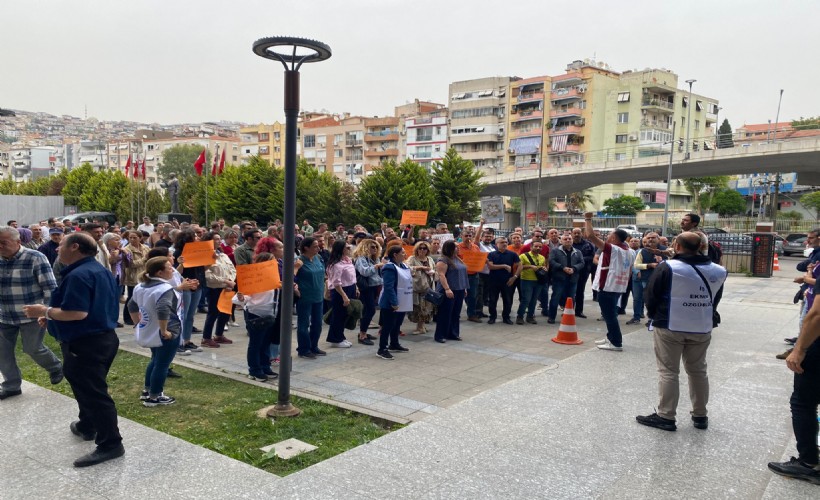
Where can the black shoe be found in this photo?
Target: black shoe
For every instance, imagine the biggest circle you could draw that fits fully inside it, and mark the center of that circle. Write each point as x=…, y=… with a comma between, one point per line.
x=508, y=321
x=491, y=321
x=580, y=315
x=365, y=341
x=202, y=310
x=173, y=374
x=531, y=320
x=796, y=469
x=319, y=352
x=56, y=377
x=551, y=321
x=371, y=337
x=457, y=339
x=87, y=436
x=700, y=422
x=441, y=341
x=656, y=421
x=633, y=321
x=384, y=354
x=99, y=456
x=195, y=330
x=398, y=348
x=621, y=312
x=308, y=355
x=8, y=394
x=120, y=325
x=519, y=320
x=791, y=341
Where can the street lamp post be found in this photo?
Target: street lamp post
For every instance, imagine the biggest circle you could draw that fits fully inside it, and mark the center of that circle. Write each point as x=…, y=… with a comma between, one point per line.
x=777, y=117
x=688, y=117
x=668, y=181
x=292, y=60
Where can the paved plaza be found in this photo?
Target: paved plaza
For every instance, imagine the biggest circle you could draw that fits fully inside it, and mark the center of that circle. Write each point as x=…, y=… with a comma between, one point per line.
x=504, y=414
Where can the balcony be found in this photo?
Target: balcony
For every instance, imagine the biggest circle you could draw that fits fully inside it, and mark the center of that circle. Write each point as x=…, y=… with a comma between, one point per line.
x=565, y=129
x=381, y=122
x=566, y=94
x=662, y=125
x=529, y=114
x=658, y=104
x=381, y=136
x=565, y=112
x=567, y=79
x=530, y=96
x=353, y=143
x=526, y=132
x=377, y=152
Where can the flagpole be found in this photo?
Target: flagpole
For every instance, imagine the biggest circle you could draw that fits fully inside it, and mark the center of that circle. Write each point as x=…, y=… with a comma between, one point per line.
x=130, y=184
x=145, y=179
x=207, y=174
x=215, y=173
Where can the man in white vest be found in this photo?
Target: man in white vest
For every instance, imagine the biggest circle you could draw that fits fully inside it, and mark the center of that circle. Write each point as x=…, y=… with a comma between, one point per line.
x=681, y=300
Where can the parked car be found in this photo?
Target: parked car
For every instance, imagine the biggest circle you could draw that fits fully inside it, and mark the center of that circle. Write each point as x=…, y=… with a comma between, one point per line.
x=794, y=236
x=83, y=217
x=713, y=230
x=632, y=229
x=779, y=243
x=794, y=246
x=732, y=243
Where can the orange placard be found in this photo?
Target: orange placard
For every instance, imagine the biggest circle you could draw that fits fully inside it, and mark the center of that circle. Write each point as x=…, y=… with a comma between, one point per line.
x=199, y=253
x=259, y=277
x=224, y=305
x=473, y=259
x=408, y=249
x=414, y=217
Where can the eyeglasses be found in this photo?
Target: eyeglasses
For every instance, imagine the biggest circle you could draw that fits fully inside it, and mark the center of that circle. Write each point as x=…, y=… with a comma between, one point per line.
x=424, y=248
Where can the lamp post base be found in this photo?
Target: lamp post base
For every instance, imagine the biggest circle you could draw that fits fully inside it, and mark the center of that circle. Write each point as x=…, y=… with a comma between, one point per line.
x=284, y=410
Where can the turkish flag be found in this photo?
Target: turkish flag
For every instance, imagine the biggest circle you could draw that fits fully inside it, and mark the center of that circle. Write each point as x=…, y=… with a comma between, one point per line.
x=214, y=167
x=222, y=163
x=143, y=169
x=199, y=163
x=127, y=166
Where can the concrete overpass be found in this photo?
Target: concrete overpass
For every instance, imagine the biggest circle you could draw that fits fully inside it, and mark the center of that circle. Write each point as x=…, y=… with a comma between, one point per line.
x=796, y=155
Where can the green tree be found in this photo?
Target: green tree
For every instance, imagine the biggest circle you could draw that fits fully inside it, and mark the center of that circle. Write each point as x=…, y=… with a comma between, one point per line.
x=457, y=186
x=790, y=214
x=727, y=202
x=623, y=205
x=725, y=135
x=703, y=188
x=577, y=202
x=252, y=192
x=318, y=195
x=75, y=184
x=812, y=202
x=128, y=207
x=392, y=188
x=36, y=187
x=104, y=192
x=812, y=122
x=180, y=160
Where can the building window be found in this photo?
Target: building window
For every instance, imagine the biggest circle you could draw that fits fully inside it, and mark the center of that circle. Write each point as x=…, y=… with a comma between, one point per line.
x=263, y=150
x=620, y=156
x=623, y=117
x=276, y=136
x=337, y=153
x=424, y=134
x=698, y=105
x=310, y=141
x=697, y=124
x=338, y=139
x=623, y=96
x=277, y=162
x=264, y=136
x=582, y=104
x=620, y=139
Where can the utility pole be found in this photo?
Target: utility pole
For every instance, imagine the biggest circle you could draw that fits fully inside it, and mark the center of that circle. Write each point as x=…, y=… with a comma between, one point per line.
x=773, y=200
x=688, y=118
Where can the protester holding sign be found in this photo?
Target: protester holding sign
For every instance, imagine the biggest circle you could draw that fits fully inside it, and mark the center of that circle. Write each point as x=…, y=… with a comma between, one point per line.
x=260, y=321
x=190, y=298
x=220, y=276
x=452, y=277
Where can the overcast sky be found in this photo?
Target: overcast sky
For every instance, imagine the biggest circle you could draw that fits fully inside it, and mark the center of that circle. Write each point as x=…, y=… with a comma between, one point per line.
x=187, y=61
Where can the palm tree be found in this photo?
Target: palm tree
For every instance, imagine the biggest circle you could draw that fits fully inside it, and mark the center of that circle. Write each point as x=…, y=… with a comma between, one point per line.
x=577, y=202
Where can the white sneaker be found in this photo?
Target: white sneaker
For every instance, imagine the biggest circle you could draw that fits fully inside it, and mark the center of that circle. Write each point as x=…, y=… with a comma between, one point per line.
x=225, y=328
x=343, y=344
x=234, y=324
x=607, y=346
x=601, y=341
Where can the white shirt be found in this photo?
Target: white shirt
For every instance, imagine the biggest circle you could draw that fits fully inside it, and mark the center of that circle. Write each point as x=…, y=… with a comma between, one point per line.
x=148, y=228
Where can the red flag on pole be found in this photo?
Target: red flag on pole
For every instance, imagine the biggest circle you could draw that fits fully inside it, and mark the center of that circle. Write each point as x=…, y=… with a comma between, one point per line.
x=222, y=163
x=215, y=166
x=199, y=163
x=143, y=169
x=127, y=166
x=137, y=169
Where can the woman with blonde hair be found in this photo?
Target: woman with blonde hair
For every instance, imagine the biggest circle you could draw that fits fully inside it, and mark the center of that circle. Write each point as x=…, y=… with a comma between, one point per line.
x=220, y=276
x=136, y=256
x=424, y=270
x=368, y=276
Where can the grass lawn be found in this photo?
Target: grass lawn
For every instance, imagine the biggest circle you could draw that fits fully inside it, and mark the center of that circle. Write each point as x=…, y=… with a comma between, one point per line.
x=220, y=414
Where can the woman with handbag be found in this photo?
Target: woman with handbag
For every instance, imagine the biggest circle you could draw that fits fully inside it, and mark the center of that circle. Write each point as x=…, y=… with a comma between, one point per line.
x=261, y=310
x=154, y=307
x=533, y=273
x=341, y=283
x=395, y=301
x=424, y=269
x=218, y=277
x=452, y=282
x=368, y=279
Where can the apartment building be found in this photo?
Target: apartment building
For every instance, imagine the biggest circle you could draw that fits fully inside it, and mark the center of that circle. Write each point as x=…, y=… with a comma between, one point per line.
x=265, y=141
x=423, y=132
x=478, y=110
x=335, y=143
x=28, y=162
x=381, y=141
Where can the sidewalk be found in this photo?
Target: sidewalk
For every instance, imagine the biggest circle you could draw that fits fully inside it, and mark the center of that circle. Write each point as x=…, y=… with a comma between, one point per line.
x=562, y=430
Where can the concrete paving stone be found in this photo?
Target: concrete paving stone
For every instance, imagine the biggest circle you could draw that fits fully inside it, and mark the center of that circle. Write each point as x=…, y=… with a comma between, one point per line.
x=351, y=398
x=368, y=393
x=391, y=408
x=16, y=481
x=406, y=402
x=425, y=395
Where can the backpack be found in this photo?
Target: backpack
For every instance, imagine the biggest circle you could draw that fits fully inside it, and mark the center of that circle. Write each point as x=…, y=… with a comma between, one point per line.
x=715, y=252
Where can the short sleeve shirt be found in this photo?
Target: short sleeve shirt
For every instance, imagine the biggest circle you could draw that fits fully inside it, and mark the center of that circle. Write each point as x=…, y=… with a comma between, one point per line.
x=508, y=258
x=87, y=287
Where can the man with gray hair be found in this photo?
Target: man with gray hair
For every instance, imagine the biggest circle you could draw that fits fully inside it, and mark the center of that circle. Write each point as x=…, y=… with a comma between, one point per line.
x=25, y=278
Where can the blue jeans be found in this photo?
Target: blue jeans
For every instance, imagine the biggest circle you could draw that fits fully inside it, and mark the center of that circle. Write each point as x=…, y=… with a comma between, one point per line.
x=259, y=342
x=530, y=290
x=561, y=290
x=157, y=370
x=608, y=302
x=190, y=300
x=637, y=298
x=368, y=297
x=308, y=326
x=338, y=314
x=391, y=324
x=449, y=313
x=472, y=295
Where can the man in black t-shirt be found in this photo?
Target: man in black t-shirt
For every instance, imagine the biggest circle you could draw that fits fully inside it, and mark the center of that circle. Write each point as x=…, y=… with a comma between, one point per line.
x=501, y=280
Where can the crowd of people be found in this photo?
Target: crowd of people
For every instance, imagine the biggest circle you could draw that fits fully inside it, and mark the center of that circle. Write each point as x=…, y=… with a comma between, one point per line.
x=353, y=278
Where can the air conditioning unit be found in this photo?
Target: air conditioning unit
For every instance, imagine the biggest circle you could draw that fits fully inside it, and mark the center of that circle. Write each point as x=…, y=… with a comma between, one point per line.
x=322, y=160
x=643, y=112
x=633, y=137
x=511, y=151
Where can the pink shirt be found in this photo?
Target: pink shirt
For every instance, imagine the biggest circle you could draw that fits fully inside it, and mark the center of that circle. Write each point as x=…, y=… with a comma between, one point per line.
x=342, y=273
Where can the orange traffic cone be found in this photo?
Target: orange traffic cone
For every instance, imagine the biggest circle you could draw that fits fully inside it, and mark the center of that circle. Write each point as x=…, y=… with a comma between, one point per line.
x=776, y=265
x=567, y=332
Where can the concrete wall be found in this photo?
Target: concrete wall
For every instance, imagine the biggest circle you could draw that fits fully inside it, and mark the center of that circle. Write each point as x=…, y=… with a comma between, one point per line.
x=29, y=209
